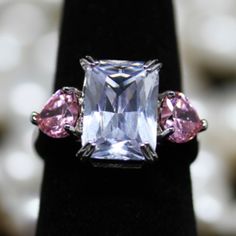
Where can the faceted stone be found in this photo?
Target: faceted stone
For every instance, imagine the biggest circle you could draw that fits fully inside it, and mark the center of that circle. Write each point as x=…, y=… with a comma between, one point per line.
x=62, y=108
x=178, y=112
x=120, y=109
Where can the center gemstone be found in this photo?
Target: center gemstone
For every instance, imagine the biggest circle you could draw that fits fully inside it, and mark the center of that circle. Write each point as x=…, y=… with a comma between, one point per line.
x=120, y=109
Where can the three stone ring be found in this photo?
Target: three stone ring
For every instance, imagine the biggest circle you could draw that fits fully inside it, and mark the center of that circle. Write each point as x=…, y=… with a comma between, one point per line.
x=119, y=116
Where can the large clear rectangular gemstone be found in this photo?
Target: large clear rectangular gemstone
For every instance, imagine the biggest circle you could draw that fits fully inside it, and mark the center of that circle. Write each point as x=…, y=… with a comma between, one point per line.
x=120, y=109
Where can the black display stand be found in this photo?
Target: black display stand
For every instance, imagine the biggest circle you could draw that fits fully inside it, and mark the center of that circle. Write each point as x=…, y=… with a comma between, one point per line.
x=77, y=199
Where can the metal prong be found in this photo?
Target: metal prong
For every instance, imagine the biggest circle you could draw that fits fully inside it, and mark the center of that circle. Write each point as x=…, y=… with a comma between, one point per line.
x=152, y=65
x=149, y=63
x=148, y=152
x=71, y=130
x=33, y=118
x=68, y=89
x=72, y=90
x=86, y=151
x=169, y=94
x=166, y=133
x=204, y=125
x=91, y=59
x=88, y=61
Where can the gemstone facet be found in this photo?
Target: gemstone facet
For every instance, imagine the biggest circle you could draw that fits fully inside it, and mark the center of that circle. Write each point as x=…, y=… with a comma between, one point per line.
x=178, y=112
x=62, y=108
x=120, y=109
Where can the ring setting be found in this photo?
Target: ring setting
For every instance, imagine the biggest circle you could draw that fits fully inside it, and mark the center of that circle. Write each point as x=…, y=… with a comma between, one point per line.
x=119, y=116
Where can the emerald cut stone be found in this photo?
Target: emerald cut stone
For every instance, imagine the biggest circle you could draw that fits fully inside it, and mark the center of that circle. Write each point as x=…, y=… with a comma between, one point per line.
x=120, y=109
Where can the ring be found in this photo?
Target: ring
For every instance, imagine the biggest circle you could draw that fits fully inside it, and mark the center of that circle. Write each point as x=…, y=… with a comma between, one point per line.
x=119, y=116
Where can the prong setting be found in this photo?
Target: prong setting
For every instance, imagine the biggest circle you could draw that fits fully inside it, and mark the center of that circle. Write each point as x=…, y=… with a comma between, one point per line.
x=70, y=90
x=77, y=130
x=204, y=125
x=152, y=65
x=72, y=130
x=33, y=118
x=68, y=110
x=81, y=100
x=86, y=151
x=88, y=61
x=91, y=59
x=169, y=94
x=147, y=151
x=165, y=133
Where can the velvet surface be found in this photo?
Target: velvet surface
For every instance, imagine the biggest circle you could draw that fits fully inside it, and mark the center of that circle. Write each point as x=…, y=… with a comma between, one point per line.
x=77, y=199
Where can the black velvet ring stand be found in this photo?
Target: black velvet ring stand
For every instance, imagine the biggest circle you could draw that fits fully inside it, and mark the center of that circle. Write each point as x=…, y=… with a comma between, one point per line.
x=77, y=199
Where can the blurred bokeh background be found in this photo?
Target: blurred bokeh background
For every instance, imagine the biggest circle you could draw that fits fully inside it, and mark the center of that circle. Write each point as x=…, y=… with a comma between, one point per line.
x=28, y=47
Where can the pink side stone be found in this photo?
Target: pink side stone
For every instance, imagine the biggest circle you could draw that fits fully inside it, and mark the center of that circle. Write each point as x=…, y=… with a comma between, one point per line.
x=178, y=112
x=62, y=108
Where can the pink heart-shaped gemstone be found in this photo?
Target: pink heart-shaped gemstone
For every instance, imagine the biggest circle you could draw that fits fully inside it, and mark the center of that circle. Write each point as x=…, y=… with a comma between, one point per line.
x=62, y=108
x=178, y=112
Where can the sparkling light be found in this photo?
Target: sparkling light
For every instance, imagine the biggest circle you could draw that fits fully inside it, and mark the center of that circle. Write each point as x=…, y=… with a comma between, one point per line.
x=205, y=166
x=211, y=6
x=20, y=166
x=4, y=1
x=10, y=52
x=26, y=97
x=200, y=107
x=53, y=1
x=229, y=116
x=219, y=34
x=31, y=208
x=208, y=209
x=46, y=52
x=24, y=20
